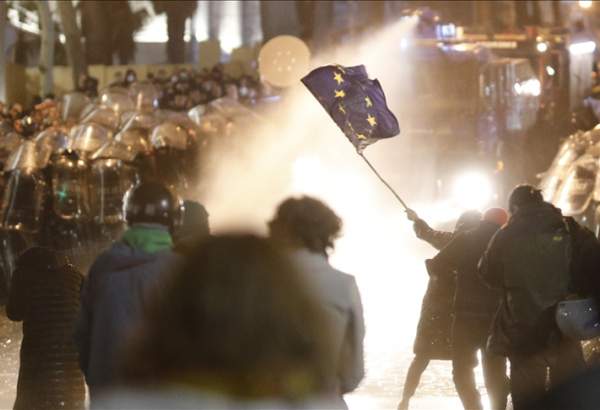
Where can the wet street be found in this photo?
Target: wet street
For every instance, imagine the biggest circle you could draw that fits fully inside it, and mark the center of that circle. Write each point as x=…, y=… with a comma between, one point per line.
x=381, y=389
x=10, y=341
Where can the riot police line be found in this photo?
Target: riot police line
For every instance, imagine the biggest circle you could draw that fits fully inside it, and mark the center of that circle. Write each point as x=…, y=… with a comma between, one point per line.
x=572, y=182
x=73, y=174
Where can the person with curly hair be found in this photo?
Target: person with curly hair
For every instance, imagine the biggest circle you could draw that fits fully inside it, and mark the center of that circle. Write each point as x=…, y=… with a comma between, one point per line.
x=308, y=228
x=234, y=327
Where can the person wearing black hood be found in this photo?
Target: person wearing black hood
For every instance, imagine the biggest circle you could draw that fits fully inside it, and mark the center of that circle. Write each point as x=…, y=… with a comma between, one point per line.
x=44, y=295
x=536, y=261
x=474, y=307
x=194, y=228
x=121, y=279
x=433, y=339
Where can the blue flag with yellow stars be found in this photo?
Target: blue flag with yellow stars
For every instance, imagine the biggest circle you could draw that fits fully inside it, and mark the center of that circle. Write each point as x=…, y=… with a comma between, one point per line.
x=356, y=103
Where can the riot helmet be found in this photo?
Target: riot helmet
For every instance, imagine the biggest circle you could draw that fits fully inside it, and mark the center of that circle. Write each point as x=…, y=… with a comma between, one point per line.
x=524, y=195
x=152, y=202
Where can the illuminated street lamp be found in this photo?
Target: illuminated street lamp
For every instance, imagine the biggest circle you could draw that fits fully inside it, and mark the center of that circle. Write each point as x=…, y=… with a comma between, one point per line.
x=542, y=47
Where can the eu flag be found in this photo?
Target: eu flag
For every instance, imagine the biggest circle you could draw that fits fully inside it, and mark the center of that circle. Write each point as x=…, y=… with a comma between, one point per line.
x=356, y=103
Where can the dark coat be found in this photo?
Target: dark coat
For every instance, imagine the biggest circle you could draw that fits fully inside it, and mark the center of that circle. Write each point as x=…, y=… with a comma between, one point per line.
x=433, y=338
x=579, y=393
x=585, y=261
x=114, y=294
x=473, y=298
x=530, y=261
x=45, y=296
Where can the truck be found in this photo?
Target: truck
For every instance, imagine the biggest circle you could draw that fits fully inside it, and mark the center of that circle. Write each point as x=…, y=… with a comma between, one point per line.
x=474, y=106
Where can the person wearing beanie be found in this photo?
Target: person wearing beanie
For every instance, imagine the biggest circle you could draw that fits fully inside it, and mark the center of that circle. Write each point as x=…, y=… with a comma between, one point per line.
x=538, y=259
x=497, y=216
x=475, y=305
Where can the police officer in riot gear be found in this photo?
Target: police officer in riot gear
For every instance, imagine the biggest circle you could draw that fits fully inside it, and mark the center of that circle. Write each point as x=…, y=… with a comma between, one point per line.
x=118, y=283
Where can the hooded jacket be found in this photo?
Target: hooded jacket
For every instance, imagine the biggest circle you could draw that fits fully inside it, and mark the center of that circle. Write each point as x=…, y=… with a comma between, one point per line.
x=114, y=294
x=529, y=260
x=473, y=298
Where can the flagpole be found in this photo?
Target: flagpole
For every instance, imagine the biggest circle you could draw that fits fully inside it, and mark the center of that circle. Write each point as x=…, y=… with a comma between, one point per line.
x=384, y=181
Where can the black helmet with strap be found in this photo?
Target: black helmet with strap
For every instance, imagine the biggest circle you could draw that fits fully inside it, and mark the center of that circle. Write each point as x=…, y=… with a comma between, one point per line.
x=152, y=202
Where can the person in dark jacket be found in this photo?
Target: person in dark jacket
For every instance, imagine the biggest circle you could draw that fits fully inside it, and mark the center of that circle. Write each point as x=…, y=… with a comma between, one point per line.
x=44, y=294
x=530, y=261
x=474, y=307
x=433, y=340
x=194, y=228
x=119, y=282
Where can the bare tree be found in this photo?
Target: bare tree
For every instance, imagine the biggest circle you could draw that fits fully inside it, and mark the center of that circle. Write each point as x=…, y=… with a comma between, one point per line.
x=47, y=50
x=68, y=20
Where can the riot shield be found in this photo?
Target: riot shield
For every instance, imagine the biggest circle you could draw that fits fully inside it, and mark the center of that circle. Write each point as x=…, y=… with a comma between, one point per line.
x=88, y=138
x=69, y=178
x=169, y=134
x=577, y=190
x=26, y=158
x=102, y=116
x=23, y=200
x=117, y=99
x=145, y=96
x=73, y=104
x=109, y=181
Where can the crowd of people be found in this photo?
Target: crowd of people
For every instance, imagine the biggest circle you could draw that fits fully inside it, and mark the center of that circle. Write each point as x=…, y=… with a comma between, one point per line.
x=75, y=156
x=494, y=288
x=171, y=316
x=188, y=88
x=179, y=91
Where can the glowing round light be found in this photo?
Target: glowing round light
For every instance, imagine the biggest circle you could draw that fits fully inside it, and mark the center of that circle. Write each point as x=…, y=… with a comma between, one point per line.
x=531, y=87
x=534, y=87
x=550, y=70
x=283, y=60
x=472, y=190
x=584, y=47
x=585, y=4
x=541, y=47
x=403, y=43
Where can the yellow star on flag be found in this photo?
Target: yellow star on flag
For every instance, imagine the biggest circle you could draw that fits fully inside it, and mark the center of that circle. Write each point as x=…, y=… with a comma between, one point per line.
x=372, y=121
x=340, y=94
x=361, y=136
x=369, y=102
x=342, y=109
x=338, y=77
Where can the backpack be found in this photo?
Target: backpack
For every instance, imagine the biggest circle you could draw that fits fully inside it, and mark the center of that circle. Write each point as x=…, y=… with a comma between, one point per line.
x=537, y=277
